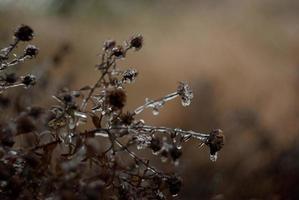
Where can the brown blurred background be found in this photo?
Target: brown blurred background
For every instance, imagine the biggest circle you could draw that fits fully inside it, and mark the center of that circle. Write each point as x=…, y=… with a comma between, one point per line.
x=240, y=57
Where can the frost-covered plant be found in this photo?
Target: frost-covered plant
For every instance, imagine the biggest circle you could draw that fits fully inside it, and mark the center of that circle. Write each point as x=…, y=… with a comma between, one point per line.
x=68, y=158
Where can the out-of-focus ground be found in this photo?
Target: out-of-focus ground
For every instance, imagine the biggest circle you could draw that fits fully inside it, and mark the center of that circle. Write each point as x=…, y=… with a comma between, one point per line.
x=240, y=57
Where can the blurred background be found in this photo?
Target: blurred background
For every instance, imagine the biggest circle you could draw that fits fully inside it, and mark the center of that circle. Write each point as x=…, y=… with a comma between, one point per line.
x=240, y=57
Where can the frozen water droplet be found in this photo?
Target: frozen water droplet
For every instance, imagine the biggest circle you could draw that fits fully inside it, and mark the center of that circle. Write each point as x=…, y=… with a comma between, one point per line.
x=101, y=134
x=147, y=100
x=80, y=114
x=155, y=111
x=72, y=123
x=141, y=121
x=213, y=158
x=186, y=102
x=69, y=138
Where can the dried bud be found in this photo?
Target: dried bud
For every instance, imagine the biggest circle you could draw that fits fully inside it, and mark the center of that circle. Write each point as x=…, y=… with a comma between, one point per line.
x=175, y=153
x=130, y=75
x=116, y=98
x=109, y=44
x=155, y=145
x=174, y=185
x=215, y=141
x=24, y=33
x=11, y=78
x=67, y=98
x=29, y=80
x=24, y=125
x=186, y=93
x=31, y=51
x=136, y=42
x=118, y=51
x=127, y=118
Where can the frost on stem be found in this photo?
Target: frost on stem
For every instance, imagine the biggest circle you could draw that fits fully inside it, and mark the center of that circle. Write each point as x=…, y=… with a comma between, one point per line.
x=66, y=153
x=129, y=75
x=23, y=33
x=215, y=142
x=184, y=91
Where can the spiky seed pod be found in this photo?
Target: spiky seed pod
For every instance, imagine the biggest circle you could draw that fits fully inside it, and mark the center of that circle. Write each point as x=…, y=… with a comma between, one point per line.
x=29, y=80
x=31, y=51
x=136, y=42
x=118, y=51
x=215, y=141
x=116, y=98
x=24, y=33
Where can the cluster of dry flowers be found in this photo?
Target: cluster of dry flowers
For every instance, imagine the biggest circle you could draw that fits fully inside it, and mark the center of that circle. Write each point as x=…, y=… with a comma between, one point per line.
x=64, y=158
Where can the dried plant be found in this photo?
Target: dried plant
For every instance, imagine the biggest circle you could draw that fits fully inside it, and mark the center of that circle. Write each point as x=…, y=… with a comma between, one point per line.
x=63, y=157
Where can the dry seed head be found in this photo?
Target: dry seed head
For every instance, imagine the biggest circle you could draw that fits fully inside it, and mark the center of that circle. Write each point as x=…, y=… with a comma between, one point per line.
x=31, y=51
x=116, y=98
x=215, y=141
x=136, y=41
x=24, y=33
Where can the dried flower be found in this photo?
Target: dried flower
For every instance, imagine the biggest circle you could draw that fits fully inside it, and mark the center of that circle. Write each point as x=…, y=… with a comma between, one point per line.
x=136, y=42
x=129, y=75
x=62, y=144
x=109, y=44
x=118, y=51
x=29, y=80
x=31, y=51
x=215, y=141
x=24, y=33
x=116, y=98
x=127, y=118
x=175, y=153
x=156, y=144
x=185, y=92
